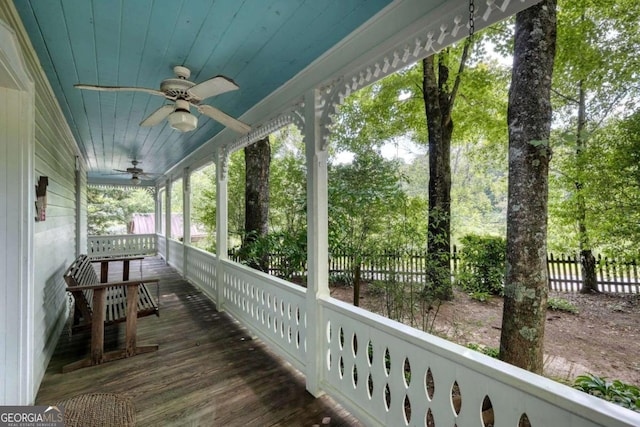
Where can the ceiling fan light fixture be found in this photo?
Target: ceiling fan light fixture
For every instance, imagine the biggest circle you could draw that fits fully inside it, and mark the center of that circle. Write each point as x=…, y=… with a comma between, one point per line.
x=183, y=121
x=135, y=180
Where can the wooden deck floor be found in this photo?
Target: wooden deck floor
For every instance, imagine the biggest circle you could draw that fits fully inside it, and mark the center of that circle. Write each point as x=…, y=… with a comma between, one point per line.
x=207, y=372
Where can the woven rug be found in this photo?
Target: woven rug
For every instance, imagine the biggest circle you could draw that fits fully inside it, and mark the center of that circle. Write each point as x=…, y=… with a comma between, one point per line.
x=98, y=410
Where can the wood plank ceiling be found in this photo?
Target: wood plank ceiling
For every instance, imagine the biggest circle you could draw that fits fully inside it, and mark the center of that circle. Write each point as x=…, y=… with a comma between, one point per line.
x=259, y=44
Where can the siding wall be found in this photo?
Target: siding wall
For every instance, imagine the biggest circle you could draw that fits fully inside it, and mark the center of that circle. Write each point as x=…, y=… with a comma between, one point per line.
x=54, y=240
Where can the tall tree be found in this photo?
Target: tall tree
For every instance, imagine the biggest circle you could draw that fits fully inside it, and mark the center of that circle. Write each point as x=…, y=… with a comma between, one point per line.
x=363, y=196
x=595, y=75
x=439, y=97
x=612, y=163
x=257, y=159
x=529, y=121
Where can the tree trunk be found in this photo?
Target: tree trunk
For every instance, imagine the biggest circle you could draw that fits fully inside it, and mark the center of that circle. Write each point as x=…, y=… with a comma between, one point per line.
x=257, y=159
x=439, y=98
x=437, y=106
x=357, y=277
x=529, y=117
x=587, y=260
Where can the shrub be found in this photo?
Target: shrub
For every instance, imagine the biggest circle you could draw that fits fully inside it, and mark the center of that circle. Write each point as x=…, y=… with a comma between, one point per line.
x=561, y=304
x=616, y=391
x=480, y=296
x=482, y=264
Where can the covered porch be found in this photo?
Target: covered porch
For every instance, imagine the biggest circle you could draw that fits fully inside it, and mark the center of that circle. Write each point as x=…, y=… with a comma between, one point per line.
x=216, y=313
x=208, y=369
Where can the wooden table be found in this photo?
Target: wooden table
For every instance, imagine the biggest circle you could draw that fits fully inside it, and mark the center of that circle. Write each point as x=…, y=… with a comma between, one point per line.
x=104, y=266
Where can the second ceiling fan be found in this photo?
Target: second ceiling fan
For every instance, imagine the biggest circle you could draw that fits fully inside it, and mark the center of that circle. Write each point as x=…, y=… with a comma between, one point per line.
x=185, y=94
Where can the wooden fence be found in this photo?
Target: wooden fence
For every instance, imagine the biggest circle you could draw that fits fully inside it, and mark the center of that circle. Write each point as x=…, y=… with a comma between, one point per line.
x=565, y=273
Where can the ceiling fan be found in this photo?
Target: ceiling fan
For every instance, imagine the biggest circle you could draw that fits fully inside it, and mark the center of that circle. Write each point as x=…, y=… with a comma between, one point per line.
x=136, y=173
x=185, y=94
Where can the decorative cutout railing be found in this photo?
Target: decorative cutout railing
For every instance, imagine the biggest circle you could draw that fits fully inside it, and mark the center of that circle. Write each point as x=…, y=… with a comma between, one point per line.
x=176, y=255
x=122, y=245
x=201, y=271
x=162, y=246
x=272, y=308
x=385, y=372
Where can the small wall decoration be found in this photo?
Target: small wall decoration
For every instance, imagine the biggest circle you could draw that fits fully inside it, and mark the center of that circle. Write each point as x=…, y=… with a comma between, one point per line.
x=41, y=198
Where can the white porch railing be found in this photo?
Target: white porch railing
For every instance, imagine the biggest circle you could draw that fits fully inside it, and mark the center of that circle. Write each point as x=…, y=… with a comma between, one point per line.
x=270, y=307
x=387, y=373
x=122, y=245
x=162, y=246
x=176, y=255
x=201, y=270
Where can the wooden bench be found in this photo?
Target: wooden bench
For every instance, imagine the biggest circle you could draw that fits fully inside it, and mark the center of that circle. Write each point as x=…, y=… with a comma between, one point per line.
x=100, y=303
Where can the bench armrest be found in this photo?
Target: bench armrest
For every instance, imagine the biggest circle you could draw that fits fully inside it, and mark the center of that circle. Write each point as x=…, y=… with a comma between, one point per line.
x=113, y=284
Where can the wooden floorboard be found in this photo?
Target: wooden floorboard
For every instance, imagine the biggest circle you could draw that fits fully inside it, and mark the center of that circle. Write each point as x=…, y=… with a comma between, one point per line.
x=208, y=370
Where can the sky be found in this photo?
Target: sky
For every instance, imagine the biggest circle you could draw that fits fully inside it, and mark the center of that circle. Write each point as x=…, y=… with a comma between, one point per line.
x=400, y=148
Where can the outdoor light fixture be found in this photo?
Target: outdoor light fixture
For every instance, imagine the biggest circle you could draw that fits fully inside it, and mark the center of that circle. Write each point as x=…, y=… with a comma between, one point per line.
x=135, y=180
x=181, y=119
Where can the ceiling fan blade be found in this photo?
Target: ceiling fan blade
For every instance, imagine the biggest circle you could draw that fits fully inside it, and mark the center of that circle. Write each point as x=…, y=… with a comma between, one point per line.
x=157, y=116
x=120, y=89
x=224, y=118
x=212, y=87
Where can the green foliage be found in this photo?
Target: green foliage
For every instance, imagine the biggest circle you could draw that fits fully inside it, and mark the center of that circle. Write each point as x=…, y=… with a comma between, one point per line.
x=344, y=279
x=406, y=302
x=625, y=395
x=203, y=204
x=610, y=173
x=587, y=183
x=110, y=209
x=481, y=296
x=287, y=183
x=561, y=304
x=367, y=206
x=489, y=351
x=482, y=265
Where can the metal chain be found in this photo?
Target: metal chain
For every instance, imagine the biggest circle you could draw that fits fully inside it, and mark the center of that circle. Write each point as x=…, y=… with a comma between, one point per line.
x=472, y=9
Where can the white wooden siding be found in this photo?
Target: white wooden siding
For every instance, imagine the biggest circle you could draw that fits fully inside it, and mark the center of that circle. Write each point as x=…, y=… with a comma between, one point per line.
x=54, y=240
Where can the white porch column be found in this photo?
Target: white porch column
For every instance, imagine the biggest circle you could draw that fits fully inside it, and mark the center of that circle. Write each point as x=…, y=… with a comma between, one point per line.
x=317, y=240
x=186, y=217
x=222, y=161
x=167, y=220
x=157, y=214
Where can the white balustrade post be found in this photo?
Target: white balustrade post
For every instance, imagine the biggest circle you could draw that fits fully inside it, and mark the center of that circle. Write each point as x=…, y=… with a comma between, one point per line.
x=157, y=217
x=167, y=220
x=317, y=240
x=222, y=161
x=186, y=218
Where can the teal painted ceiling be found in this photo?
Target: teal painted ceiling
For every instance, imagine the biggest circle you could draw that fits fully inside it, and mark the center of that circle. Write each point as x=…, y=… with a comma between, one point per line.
x=260, y=44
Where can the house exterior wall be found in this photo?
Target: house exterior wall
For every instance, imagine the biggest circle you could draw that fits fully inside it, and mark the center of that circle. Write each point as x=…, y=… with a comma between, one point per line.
x=53, y=241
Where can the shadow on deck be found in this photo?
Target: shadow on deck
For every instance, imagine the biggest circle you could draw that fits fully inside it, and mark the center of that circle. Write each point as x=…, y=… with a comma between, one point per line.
x=207, y=372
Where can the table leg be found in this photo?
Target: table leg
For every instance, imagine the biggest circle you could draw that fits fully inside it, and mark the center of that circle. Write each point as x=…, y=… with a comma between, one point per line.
x=104, y=271
x=97, y=327
x=125, y=270
x=132, y=318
